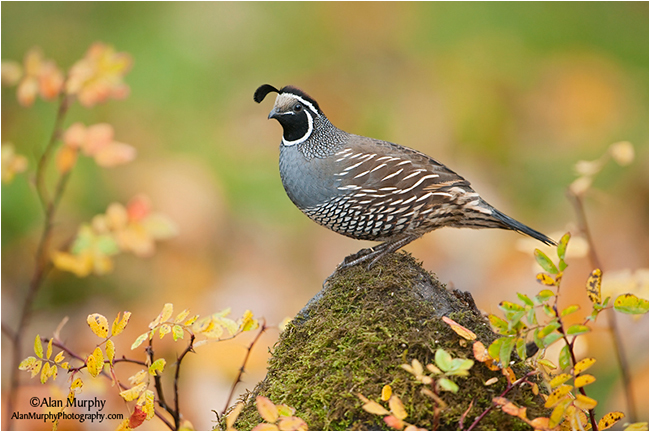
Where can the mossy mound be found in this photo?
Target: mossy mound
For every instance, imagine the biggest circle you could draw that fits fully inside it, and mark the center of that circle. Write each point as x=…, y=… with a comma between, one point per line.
x=352, y=337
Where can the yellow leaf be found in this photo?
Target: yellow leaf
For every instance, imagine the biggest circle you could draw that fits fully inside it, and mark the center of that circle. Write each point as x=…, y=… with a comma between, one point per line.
x=138, y=377
x=120, y=324
x=48, y=354
x=557, y=395
x=76, y=385
x=545, y=279
x=54, y=371
x=163, y=316
x=397, y=407
x=38, y=347
x=433, y=369
x=139, y=340
x=36, y=368
x=110, y=351
x=232, y=415
x=191, y=321
x=459, y=329
x=609, y=420
x=491, y=381
x=81, y=265
x=584, y=380
x=133, y=393
x=593, y=285
x=583, y=365
x=248, y=323
x=285, y=410
x=27, y=364
x=148, y=407
x=124, y=426
x=157, y=367
x=267, y=409
x=386, y=392
x=164, y=329
x=181, y=316
x=65, y=365
x=92, y=366
x=98, y=324
x=59, y=357
x=584, y=402
x=417, y=367
x=560, y=379
x=558, y=413
x=640, y=426
x=45, y=373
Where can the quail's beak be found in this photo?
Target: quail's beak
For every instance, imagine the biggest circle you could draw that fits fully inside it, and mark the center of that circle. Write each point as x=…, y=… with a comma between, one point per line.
x=274, y=114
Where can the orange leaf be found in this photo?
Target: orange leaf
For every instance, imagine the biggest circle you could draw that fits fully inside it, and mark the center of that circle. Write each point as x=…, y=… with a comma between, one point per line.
x=459, y=329
x=397, y=407
x=267, y=409
x=66, y=158
x=480, y=352
x=386, y=392
x=394, y=422
x=137, y=418
x=292, y=424
x=265, y=427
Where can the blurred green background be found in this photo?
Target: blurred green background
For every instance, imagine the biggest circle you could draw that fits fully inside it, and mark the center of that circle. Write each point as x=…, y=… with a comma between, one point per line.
x=510, y=95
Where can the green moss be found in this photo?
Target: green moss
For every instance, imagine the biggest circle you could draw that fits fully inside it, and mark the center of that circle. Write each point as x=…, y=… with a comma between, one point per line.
x=352, y=337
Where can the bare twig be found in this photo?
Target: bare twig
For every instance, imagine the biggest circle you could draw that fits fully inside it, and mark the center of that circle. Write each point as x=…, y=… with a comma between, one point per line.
x=621, y=357
x=42, y=263
x=263, y=328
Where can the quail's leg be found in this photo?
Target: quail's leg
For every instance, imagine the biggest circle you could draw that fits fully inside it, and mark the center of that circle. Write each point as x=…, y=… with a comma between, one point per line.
x=378, y=252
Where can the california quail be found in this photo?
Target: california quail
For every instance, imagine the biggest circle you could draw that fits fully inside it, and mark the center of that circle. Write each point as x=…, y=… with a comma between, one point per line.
x=370, y=189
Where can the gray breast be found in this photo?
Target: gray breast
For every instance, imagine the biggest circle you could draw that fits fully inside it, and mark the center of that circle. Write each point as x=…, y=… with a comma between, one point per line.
x=308, y=182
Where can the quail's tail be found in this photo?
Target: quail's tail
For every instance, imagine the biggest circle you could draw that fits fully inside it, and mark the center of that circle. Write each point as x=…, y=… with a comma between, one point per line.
x=512, y=224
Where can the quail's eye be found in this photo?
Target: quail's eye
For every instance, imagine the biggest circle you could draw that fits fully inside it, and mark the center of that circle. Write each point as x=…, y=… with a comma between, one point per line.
x=297, y=107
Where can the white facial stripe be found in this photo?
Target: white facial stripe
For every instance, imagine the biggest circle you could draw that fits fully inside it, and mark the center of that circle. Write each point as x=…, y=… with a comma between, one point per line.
x=304, y=138
x=307, y=104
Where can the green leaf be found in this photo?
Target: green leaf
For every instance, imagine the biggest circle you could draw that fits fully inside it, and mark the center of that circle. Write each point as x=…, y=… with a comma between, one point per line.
x=447, y=385
x=631, y=304
x=545, y=262
x=139, y=340
x=460, y=367
x=443, y=359
x=554, y=325
x=569, y=310
x=507, y=346
x=515, y=321
x=544, y=295
x=562, y=265
x=507, y=306
x=565, y=357
x=524, y=298
x=532, y=317
x=550, y=339
x=562, y=245
x=521, y=348
x=577, y=329
x=495, y=348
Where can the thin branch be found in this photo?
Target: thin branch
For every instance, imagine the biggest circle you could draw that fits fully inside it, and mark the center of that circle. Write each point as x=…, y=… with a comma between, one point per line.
x=592, y=416
x=621, y=357
x=241, y=369
x=521, y=380
x=42, y=263
x=190, y=348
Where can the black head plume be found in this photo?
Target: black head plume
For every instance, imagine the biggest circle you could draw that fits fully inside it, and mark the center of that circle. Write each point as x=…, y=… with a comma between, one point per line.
x=262, y=91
